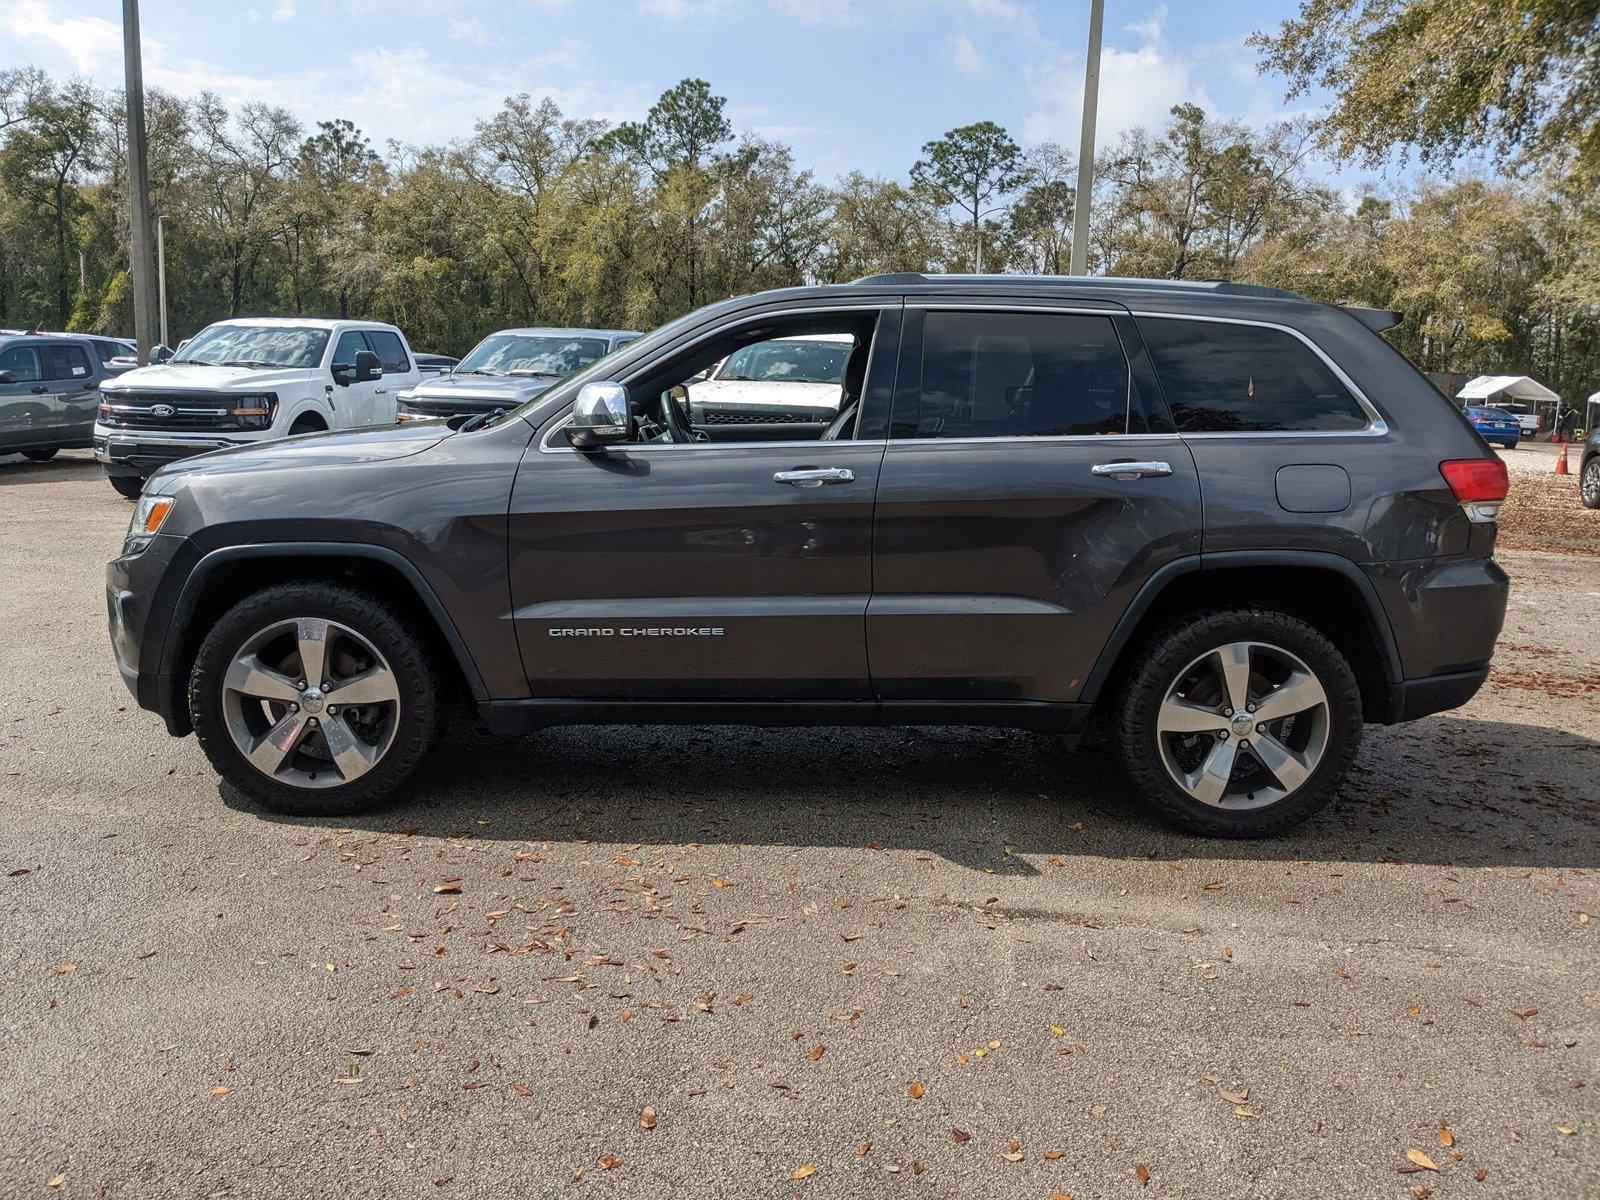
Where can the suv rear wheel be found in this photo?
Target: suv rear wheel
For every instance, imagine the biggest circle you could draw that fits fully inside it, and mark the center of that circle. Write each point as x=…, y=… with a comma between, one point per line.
x=1239, y=723
x=315, y=699
x=1589, y=483
x=44, y=455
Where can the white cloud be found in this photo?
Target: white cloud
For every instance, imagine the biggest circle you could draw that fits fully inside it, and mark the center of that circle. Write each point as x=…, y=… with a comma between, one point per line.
x=965, y=57
x=90, y=44
x=1137, y=87
x=469, y=29
x=1149, y=30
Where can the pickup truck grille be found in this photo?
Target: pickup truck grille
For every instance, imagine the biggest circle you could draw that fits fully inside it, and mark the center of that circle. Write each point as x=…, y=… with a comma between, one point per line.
x=177, y=410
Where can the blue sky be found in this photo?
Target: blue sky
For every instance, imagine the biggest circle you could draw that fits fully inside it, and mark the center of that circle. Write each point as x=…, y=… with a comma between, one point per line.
x=848, y=83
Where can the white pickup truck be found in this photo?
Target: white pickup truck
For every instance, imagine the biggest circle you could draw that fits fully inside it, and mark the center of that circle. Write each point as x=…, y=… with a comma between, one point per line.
x=250, y=380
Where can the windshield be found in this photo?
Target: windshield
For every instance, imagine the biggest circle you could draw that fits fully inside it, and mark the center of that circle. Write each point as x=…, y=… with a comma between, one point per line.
x=787, y=362
x=531, y=354
x=255, y=346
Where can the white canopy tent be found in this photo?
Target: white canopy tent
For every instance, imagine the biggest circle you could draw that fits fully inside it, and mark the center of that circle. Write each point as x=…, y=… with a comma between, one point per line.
x=1507, y=387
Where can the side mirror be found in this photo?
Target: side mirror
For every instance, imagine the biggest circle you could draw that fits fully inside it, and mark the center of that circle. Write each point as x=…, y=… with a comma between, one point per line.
x=161, y=354
x=7, y=377
x=600, y=416
x=368, y=367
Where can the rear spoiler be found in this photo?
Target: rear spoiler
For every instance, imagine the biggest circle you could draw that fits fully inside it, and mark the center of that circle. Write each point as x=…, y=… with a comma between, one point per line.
x=1375, y=319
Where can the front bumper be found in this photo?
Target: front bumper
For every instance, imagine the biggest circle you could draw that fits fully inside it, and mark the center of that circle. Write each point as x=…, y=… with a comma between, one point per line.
x=141, y=594
x=142, y=452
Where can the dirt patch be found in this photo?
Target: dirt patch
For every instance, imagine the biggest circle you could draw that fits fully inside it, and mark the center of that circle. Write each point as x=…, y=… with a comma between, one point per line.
x=1543, y=512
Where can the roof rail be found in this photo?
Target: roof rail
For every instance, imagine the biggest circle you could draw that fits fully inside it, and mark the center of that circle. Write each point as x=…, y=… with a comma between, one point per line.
x=1095, y=282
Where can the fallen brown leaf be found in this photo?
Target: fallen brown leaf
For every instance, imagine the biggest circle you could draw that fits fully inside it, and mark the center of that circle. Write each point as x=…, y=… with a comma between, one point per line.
x=1422, y=1160
x=916, y=1091
x=804, y=1172
x=647, y=1117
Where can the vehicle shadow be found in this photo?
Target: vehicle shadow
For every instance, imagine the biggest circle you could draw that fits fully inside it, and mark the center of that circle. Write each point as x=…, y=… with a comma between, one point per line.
x=68, y=465
x=1447, y=790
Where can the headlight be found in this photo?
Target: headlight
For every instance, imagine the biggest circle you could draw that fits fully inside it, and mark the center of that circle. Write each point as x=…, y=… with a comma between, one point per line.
x=148, y=516
x=254, y=412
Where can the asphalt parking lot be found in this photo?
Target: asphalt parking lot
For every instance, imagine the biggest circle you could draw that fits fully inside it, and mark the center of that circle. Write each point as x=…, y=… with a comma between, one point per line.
x=732, y=962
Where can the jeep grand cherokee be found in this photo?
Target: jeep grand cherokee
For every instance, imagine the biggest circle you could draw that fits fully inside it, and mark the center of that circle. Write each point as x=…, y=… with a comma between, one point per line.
x=1236, y=523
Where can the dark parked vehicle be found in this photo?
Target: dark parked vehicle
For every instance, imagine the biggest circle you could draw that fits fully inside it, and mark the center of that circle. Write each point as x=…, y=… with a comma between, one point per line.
x=430, y=365
x=49, y=393
x=1236, y=523
x=508, y=368
x=1589, y=470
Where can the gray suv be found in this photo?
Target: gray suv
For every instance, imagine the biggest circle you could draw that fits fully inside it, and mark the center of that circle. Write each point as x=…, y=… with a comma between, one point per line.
x=1233, y=523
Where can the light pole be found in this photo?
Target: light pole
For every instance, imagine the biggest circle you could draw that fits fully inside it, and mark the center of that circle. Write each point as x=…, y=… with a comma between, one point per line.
x=144, y=291
x=1091, y=101
x=161, y=273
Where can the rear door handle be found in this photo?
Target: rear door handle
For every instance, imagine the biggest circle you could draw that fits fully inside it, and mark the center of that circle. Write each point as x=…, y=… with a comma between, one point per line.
x=1132, y=470
x=810, y=477
x=38, y=389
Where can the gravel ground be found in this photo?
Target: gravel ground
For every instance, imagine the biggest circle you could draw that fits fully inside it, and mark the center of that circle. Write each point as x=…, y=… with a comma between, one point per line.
x=773, y=963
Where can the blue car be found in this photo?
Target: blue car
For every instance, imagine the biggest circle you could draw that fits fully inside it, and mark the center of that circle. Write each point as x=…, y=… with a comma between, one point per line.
x=1498, y=427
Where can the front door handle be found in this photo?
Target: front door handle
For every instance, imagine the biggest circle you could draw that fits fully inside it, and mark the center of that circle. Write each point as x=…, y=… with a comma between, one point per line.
x=1132, y=470
x=810, y=477
x=38, y=389
x=380, y=391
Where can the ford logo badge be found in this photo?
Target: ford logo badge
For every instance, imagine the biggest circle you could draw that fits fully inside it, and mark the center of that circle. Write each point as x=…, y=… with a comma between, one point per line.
x=162, y=410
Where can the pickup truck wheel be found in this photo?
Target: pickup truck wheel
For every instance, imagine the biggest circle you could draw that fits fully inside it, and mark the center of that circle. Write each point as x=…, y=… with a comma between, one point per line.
x=315, y=699
x=1239, y=722
x=306, y=425
x=40, y=455
x=126, y=486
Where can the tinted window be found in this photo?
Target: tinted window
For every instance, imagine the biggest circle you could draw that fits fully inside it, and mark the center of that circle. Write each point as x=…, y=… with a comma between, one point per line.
x=389, y=349
x=1223, y=378
x=350, y=344
x=65, y=362
x=21, y=361
x=106, y=351
x=1018, y=374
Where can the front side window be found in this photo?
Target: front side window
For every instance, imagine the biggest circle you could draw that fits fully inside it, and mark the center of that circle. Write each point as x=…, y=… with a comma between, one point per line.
x=1225, y=378
x=390, y=351
x=22, y=362
x=255, y=346
x=66, y=362
x=1018, y=375
x=350, y=343
x=547, y=355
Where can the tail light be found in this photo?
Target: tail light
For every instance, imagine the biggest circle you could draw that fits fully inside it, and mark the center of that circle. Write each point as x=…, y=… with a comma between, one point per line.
x=1479, y=485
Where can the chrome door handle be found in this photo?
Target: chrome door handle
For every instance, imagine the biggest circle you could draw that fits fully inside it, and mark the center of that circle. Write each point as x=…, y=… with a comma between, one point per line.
x=380, y=391
x=1132, y=470
x=810, y=477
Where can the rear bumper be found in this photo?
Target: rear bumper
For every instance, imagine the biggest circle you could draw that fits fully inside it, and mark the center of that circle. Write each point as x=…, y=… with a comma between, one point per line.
x=1413, y=698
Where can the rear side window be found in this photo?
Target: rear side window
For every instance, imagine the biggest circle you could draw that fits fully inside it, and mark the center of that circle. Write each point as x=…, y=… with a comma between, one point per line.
x=390, y=350
x=1222, y=378
x=65, y=362
x=106, y=351
x=1018, y=375
x=22, y=362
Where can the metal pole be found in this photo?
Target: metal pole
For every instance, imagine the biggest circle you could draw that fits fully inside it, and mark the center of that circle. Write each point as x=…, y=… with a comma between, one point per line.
x=1091, y=101
x=161, y=274
x=143, y=269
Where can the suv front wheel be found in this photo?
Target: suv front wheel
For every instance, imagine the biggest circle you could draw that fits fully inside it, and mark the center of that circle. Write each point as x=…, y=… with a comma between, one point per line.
x=1239, y=723
x=315, y=699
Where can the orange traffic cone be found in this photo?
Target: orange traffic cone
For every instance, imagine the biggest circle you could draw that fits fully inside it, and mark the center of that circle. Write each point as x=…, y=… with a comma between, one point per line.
x=1561, y=463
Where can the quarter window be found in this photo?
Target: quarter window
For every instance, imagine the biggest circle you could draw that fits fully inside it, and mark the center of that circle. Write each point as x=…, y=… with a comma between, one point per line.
x=66, y=362
x=22, y=362
x=390, y=351
x=1223, y=378
x=1018, y=375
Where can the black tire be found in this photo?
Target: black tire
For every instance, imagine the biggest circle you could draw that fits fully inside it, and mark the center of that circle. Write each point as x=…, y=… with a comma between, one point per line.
x=44, y=455
x=126, y=486
x=407, y=655
x=1166, y=654
x=1589, y=483
x=307, y=425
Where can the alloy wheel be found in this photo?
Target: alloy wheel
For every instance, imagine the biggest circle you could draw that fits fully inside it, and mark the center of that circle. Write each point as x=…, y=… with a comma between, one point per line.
x=311, y=703
x=1591, y=483
x=1243, y=726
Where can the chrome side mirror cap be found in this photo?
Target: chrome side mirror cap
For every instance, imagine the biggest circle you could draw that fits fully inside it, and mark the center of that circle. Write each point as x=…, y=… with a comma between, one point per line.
x=600, y=416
